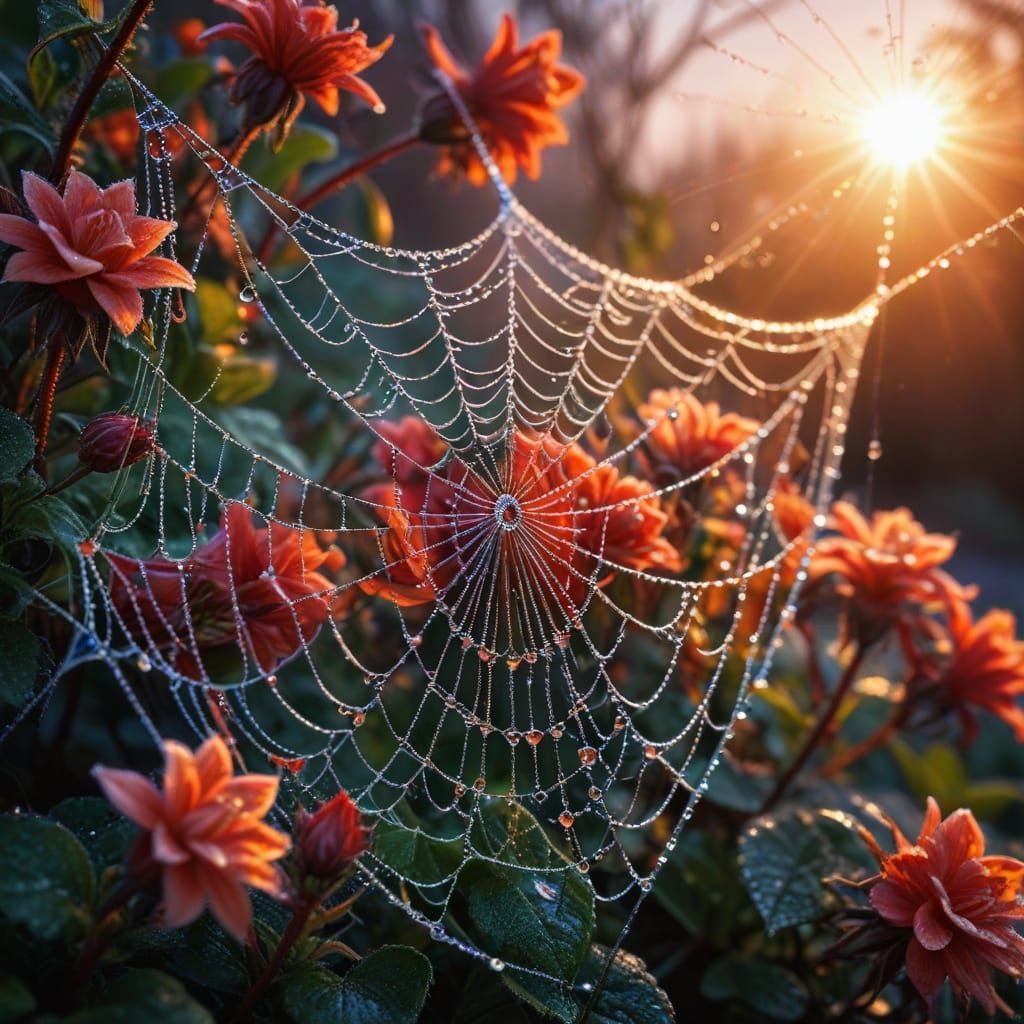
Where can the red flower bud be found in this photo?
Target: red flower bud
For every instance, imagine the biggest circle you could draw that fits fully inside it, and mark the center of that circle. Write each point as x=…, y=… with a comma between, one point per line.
x=328, y=841
x=112, y=441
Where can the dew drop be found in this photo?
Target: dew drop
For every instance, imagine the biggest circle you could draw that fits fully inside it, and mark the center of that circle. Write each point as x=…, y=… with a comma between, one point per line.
x=587, y=755
x=565, y=819
x=496, y=964
x=650, y=751
x=143, y=663
x=594, y=793
x=875, y=450
x=545, y=890
x=534, y=736
x=247, y=294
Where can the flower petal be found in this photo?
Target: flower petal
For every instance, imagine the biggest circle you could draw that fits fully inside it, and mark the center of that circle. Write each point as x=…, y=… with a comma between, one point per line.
x=120, y=301
x=132, y=794
x=21, y=232
x=155, y=272
x=44, y=201
x=929, y=927
x=925, y=970
x=228, y=900
x=183, y=895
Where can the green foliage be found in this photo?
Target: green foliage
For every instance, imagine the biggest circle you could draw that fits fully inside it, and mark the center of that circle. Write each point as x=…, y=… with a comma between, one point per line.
x=387, y=987
x=20, y=663
x=144, y=996
x=783, y=860
x=629, y=994
x=46, y=879
x=756, y=984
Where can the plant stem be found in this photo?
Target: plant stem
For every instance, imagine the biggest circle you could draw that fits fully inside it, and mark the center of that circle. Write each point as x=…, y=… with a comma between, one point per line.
x=337, y=182
x=304, y=906
x=821, y=727
x=55, y=353
x=101, y=71
x=877, y=739
x=96, y=941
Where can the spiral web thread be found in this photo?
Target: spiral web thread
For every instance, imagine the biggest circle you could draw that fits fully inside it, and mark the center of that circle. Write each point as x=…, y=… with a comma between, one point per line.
x=548, y=674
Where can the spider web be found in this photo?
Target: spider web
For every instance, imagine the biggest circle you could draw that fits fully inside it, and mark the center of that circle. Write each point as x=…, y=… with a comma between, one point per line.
x=532, y=663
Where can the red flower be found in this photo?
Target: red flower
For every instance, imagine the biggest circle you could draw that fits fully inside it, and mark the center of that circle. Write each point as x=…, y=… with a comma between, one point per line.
x=513, y=95
x=204, y=834
x=885, y=568
x=297, y=52
x=91, y=246
x=258, y=588
x=959, y=908
x=986, y=669
x=328, y=841
x=112, y=441
x=557, y=521
x=188, y=34
x=687, y=435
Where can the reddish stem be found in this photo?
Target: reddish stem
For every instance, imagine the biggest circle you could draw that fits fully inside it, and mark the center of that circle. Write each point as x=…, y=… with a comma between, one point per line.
x=55, y=354
x=822, y=726
x=338, y=181
x=877, y=739
x=102, y=70
x=304, y=906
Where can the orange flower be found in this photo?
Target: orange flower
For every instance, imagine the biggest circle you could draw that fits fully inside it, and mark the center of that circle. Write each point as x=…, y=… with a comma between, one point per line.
x=260, y=588
x=884, y=567
x=986, y=669
x=957, y=908
x=557, y=521
x=297, y=52
x=687, y=435
x=203, y=834
x=91, y=246
x=188, y=34
x=513, y=95
x=119, y=132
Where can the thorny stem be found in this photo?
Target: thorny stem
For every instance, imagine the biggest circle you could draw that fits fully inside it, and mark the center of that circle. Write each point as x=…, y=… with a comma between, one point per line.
x=101, y=71
x=822, y=726
x=338, y=181
x=304, y=906
x=55, y=353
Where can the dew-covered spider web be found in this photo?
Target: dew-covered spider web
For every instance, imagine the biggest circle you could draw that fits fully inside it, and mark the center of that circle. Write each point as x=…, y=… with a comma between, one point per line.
x=521, y=619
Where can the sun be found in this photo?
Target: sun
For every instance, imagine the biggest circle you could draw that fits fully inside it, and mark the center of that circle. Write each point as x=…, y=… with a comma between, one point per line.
x=904, y=129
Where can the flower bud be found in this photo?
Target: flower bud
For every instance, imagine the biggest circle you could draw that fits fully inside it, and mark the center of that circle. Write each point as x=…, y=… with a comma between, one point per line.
x=328, y=841
x=113, y=441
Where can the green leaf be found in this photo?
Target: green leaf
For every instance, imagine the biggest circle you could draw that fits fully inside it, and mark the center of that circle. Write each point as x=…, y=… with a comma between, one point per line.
x=507, y=832
x=261, y=430
x=65, y=19
x=484, y=999
x=46, y=879
x=701, y=888
x=415, y=855
x=16, y=1000
x=243, y=378
x=18, y=115
x=115, y=95
x=218, y=310
x=17, y=445
x=19, y=664
x=782, y=860
x=211, y=958
x=144, y=996
x=182, y=79
x=531, y=919
x=105, y=835
x=306, y=144
x=629, y=995
x=757, y=984
x=387, y=987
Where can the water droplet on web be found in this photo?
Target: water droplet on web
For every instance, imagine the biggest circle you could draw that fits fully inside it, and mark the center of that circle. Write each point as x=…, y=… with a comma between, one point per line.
x=875, y=450
x=545, y=890
x=565, y=819
x=247, y=294
x=587, y=755
x=143, y=663
x=496, y=964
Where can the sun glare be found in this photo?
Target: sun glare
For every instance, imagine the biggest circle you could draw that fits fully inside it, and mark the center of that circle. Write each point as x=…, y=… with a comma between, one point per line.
x=904, y=129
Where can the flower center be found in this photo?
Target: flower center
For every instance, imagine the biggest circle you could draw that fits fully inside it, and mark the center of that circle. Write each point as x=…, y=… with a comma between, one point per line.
x=508, y=513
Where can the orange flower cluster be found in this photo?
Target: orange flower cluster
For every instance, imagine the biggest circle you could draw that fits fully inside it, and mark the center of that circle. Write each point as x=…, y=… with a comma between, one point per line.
x=985, y=669
x=298, y=51
x=258, y=588
x=886, y=569
x=956, y=909
x=561, y=518
x=203, y=835
x=513, y=94
x=687, y=435
x=91, y=246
